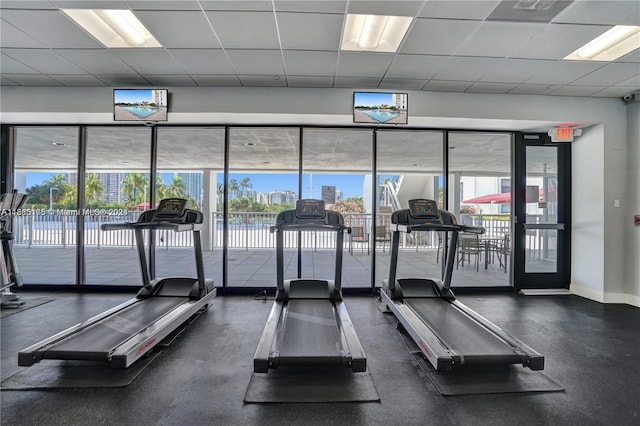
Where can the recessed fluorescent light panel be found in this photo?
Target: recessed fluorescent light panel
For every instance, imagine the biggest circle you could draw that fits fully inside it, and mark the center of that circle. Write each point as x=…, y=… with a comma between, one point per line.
x=374, y=33
x=611, y=45
x=113, y=28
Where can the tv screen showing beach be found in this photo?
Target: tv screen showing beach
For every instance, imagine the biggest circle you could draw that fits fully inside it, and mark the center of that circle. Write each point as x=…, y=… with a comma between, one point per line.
x=140, y=104
x=380, y=108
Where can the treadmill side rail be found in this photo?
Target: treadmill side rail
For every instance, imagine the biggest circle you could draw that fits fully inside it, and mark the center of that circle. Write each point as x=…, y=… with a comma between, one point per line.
x=262, y=359
x=350, y=339
x=441, y=357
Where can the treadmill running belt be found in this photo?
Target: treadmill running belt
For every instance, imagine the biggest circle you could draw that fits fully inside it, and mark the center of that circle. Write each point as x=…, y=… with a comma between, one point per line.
x=310, y=330
x=96, y=341
x=460, y=333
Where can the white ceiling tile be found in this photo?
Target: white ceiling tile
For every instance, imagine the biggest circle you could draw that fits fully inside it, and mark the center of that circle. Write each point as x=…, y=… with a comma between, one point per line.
x=614, y=92
x=307, y=81
x=263, y=80
x=447, y=86
x=437, y=36
x=10, y=36
x=498, y=39
x=4, y=81
x=208, y=80
x=250, y=5
x=534, y=89
x=576, y=91
x=98, y=61
x=32, y=80
x=180, y=80
x=168, y=27
x=633, y=57
x=632, y=82
x=609, y=12
x=245, y=30
x=78, y=80
x=358, y=64
x=460, y=9
x=203, y=61
x=556, y=41
x=609, y=75
x=163, y=4
x=402, y=84
x=393, y=8
x=299, y=62
x=45, y=61
x=90, y=4
x=257, y=62
x=563, y=72
x=27, y=4
x=123, y=79
x=514, y=70
x=415, y=66
x=356, y=82
x=466, y=69
x=8, y=65
x=483, y=87
x=318, y=6
x=50, y=27
x=310, y=31
x=149, y=61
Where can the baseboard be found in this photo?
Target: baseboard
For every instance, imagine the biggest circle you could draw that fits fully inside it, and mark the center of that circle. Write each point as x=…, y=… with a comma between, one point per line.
x=605, y=297
x=545, y=292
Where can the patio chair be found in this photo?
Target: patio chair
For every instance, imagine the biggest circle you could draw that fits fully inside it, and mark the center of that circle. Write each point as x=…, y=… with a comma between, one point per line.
x=383, y=236
x=358, y=235
x=503, y=251
x=469, y=246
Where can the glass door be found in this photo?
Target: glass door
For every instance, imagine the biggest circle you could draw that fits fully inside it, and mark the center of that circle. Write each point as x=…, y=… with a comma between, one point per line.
x=542, y=249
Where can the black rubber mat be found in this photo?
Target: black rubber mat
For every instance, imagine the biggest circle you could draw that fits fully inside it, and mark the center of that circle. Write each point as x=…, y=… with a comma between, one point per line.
x=304, y=384
x=29, y=302
x=51, y=374
x=474, y=380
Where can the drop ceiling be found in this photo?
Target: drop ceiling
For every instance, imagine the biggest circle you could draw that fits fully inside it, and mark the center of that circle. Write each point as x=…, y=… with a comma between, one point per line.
x=452, y=46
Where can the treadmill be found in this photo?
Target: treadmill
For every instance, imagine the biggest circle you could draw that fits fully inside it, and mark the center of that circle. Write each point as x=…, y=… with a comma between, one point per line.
x=125, y=333
x=309, y=324
x=448, y=333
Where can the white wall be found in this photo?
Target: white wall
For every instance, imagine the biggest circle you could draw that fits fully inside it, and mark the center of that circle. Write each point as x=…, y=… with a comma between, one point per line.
x=632, y=250
x=601, y=170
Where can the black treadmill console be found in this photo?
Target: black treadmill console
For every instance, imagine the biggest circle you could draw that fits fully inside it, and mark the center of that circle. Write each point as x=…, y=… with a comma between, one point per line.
x=423, y=209
x=173, y=210
x=310, y=209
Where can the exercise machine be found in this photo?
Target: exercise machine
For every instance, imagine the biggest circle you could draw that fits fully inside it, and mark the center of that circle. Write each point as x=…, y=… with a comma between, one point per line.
x=448, y=333
x=10, y=277
x=123, y=334
x=309, y=324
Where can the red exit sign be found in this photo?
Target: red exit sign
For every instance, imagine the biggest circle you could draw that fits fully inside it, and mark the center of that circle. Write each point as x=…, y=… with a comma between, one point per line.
x=561, y=134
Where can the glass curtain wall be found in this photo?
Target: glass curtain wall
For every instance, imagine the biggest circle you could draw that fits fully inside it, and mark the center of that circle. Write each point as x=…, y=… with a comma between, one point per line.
x=336, y=167
x=46, y=161
x=409, y=165
x=117, y=189
x=190, y=164
x=480, y=195
x=262, y=181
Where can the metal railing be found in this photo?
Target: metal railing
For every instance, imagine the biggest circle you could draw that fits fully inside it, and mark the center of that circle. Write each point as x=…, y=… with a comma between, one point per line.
x=247, y=230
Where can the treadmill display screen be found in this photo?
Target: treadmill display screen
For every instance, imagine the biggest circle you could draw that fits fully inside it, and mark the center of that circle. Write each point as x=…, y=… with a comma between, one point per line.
x=423, y=209
x=171, y=207
x=308, y=209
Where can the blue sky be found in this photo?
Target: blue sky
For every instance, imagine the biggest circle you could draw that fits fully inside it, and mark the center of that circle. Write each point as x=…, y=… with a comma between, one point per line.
x=131, y=95
x=372, y=99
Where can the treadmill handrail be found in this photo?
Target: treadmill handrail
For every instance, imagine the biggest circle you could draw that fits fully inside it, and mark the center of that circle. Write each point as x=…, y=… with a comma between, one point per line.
x=437, y=227
x=309, y=227
x=177, y=227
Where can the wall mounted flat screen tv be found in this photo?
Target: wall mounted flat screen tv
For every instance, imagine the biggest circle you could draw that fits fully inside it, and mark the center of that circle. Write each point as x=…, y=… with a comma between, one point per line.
x=140, y=104
x=380, y=108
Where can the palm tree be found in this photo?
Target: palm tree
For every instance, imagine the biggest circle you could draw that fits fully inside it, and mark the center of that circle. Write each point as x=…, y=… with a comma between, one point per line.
x=245, y=183
x=161, y=189
x=93, y=189
x=233, y=186
x=177, y=188
x=133, y=186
